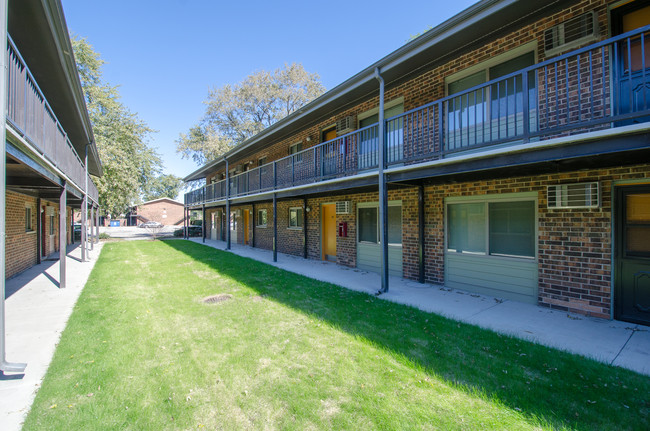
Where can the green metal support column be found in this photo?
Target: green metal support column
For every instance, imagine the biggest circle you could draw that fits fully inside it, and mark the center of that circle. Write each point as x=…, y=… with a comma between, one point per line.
x=421, y=222
x=97, y=224
x=39, y=234
x=92, y=223
x=383, y=194
x=203, y=223
x=304, y=226
x=275, y=227
x=227, y=217
x=62, y=235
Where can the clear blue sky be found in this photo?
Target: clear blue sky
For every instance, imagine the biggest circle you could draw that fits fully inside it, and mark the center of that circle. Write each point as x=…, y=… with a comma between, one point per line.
x=166, y=54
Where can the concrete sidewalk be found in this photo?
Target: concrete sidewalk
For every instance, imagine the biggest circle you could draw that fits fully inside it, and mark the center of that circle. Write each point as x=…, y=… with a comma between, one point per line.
x=613, y=342
x=37, y=311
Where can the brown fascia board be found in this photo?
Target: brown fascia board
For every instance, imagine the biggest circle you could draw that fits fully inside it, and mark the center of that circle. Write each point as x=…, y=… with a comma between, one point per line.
x=39, y=30
x=484, y=18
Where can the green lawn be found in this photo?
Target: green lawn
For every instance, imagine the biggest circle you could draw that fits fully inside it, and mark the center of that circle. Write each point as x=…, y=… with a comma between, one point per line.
x=142, y=351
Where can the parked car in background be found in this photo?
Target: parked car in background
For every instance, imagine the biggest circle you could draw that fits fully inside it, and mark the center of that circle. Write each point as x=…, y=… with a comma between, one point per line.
x=150, y=224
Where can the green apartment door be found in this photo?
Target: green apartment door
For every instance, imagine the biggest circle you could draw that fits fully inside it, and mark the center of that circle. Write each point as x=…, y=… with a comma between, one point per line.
x=632, y=254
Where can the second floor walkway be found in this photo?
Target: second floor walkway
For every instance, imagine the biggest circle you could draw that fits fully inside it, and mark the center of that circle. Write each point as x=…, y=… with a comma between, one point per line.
x=602, y=86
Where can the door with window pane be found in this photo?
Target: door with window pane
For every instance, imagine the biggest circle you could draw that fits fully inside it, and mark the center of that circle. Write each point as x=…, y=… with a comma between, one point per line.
x=632, y=255
x=633, y=62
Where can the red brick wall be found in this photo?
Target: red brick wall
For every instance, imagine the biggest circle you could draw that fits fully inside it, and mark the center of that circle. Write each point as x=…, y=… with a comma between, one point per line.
x=166, y=212
x=429, y=85
x=20, y=245
x=574, y=245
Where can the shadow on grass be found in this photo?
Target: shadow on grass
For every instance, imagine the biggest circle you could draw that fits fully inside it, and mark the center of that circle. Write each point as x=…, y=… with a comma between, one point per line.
x=547, y=385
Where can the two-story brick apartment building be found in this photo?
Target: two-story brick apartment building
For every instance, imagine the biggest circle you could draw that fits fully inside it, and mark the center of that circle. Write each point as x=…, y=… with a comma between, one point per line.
x=49, y=149
x=48, y=135
x=515, y=161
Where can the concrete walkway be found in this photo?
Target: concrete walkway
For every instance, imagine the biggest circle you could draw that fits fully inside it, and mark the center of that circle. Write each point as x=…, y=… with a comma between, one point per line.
x=37, y=311
x=613, y=342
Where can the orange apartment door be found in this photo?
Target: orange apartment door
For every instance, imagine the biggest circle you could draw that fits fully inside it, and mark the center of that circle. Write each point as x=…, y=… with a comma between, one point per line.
x=328, y=237
x=246, y=218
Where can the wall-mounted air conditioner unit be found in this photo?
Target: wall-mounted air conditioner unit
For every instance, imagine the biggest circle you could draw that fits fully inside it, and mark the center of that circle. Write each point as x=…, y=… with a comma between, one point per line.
x=345, y=125
x=571, y=33
x=343, y=207
x=577, y=195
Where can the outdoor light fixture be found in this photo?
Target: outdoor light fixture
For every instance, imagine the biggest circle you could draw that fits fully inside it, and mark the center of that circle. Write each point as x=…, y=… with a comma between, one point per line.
x=307, y=209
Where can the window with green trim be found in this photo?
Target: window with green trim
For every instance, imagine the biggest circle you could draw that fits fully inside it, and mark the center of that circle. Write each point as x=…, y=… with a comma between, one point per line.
x=501, y=228
x=262, y=219
x=295, y=218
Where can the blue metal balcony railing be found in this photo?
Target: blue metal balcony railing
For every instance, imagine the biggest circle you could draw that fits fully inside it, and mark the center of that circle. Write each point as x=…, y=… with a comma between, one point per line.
x=601, y=86
x=31, y=115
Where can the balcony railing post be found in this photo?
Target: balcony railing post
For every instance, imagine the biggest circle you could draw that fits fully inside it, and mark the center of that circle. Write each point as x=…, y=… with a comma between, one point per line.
x=441, y=133
x=525, y=108
x=275, y=175
x=315, y=156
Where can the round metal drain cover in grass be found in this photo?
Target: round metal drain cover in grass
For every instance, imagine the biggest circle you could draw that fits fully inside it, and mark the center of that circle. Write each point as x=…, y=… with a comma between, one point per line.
x=217, y=298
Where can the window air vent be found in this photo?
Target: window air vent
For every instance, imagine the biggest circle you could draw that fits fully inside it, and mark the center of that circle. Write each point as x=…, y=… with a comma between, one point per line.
x=571, y=33
x=578, y=195
x=345, y=125
x=343, y=207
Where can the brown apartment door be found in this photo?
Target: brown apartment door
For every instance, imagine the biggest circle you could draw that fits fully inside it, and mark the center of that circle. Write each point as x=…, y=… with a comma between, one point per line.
x=632, y=254
x=329, y=232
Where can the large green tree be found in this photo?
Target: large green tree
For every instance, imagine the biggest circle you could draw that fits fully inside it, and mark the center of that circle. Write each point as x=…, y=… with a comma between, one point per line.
x=237, y=112
x=130, y=164
x=163, y=186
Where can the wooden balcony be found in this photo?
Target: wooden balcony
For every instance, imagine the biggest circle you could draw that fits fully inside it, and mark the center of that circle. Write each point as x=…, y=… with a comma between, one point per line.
x=602, y=86
x=31, y=116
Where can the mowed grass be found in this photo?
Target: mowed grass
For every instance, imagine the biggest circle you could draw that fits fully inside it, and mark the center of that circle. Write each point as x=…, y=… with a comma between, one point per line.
x=143, y=352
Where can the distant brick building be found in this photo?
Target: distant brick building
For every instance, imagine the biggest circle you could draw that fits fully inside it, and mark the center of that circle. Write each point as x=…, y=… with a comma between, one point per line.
x=164, y=210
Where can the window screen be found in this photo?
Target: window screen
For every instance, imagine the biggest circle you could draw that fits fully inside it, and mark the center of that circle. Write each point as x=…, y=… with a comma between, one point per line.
x=466, y=227
x=261, y=218
x=295, y=217
x=368, y=224
x=395, y=224
x=28, y=219
x=512, y=228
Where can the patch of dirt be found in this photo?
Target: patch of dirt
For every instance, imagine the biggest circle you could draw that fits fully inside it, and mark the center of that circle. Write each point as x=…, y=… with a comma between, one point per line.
x=215, y=299
x=257, y=298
